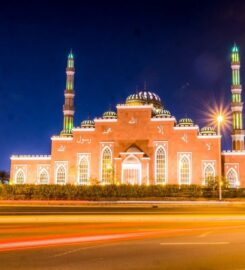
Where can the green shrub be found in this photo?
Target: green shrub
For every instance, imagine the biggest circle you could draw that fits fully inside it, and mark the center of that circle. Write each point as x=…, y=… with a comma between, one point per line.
x=113, y=192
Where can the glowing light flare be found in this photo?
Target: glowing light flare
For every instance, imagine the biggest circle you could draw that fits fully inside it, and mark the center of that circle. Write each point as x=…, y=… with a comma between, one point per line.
x=220, y=118
x=216, y=114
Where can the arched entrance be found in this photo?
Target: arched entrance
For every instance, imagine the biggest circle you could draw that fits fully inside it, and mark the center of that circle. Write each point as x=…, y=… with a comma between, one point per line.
x=131, y=171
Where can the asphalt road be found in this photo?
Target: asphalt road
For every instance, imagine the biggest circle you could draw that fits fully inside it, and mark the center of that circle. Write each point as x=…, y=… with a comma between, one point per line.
x=156, y=209
x=169, y=237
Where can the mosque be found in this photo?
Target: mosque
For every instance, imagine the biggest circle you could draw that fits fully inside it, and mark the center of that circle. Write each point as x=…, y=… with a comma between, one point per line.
x=140, y=143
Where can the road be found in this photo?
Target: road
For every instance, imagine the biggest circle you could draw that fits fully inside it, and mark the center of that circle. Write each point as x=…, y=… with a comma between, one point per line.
x=129, y=237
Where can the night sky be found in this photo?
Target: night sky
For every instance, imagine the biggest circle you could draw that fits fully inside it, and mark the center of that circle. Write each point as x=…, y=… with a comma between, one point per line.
x=182, y=51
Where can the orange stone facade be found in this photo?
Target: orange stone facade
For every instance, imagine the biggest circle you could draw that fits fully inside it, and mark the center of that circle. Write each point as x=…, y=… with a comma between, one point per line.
x=138, y=143
x=132, y=139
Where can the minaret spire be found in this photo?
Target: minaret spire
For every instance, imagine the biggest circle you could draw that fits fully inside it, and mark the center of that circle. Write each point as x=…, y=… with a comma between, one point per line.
x=68, y=107
x=236, y=102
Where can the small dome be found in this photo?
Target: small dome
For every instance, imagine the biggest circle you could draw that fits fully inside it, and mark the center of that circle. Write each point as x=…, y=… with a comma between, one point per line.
x=185, y=122
x=161, y=113
x=110, y=115
x=208, y=131
x=87, y=124
x=134, y=100
x=144, y=98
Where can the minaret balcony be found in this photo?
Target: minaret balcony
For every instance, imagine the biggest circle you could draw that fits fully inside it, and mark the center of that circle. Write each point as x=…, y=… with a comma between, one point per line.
x=70, y=70
x=69, y=94
x=238, y=133
x=236, y=106
x=235, y=65
x=236, y=89
x=68, y=112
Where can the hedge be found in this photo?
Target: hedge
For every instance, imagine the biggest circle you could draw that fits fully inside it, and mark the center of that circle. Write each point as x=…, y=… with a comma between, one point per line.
x=112, y=192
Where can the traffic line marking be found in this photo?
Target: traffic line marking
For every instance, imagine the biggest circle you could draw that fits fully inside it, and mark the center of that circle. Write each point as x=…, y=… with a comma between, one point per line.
x=193, y=243
x=204, y=234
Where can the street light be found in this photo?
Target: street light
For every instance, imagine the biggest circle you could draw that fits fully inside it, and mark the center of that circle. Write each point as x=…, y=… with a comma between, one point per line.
x=220, y=119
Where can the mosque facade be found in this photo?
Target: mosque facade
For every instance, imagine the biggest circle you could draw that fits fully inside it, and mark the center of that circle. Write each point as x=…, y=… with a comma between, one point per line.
x=140, y=142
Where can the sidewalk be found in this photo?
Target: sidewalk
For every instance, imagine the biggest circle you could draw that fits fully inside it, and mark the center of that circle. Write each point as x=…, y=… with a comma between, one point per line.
x=116, y=203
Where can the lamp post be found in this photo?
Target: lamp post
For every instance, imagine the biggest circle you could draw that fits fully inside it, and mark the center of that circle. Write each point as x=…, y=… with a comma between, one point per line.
x=220, y=119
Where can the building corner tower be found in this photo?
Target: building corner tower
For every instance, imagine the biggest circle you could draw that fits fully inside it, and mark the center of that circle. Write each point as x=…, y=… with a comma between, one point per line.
x=236, y=102
x=68, y=107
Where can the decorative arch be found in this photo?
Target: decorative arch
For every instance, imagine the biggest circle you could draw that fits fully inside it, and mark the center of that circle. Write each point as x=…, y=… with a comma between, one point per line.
x=61, y=175
x=160, y=165
x=131, y=159
x=106, y=165
x=20, y=177
x=209, y=173
x=43, y=177
x=232, y=178
x=184, y=170
x=83, y=170
x=131, y=170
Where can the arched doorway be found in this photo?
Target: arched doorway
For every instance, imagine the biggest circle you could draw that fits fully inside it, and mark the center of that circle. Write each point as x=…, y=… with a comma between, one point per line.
x=131, y=171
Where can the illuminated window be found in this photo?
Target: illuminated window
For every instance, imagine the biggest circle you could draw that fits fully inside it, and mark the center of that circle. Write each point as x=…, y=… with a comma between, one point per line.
x=107, y=166
x=20, y=177
x=232, y=178
x=184, y=173
x=209, y=173
x=61, y=175
x=160, y=163
x=43, y=177
x=84, y=171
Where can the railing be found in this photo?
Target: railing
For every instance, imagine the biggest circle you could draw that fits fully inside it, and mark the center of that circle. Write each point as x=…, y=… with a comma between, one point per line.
x=30, y=156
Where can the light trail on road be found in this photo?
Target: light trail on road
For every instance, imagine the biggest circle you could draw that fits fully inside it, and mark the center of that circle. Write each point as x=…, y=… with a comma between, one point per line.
x=98, y=218
x=105, y=232
x=69, y=240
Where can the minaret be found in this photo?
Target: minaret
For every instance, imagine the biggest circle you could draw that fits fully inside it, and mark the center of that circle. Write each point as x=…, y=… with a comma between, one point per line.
x=236, y=102
x=68, y=107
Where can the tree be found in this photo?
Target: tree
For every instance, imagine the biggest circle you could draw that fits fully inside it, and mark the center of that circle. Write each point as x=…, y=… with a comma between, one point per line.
x=213, y=182
x=4, y=177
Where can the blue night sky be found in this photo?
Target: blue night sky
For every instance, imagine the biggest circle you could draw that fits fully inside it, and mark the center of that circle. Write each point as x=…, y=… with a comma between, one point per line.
x=180, y=50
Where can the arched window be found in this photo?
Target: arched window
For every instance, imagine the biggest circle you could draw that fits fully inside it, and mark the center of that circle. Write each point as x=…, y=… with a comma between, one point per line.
x=83, y=171
x=209, y=173
x=184, y=173
x=107, y=170
x=232, y=178
x=160, y=166
x=20, y=177
x=43, y=177
x=61, y=175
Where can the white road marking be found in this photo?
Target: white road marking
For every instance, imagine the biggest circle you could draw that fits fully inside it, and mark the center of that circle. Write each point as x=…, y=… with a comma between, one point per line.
x=204, y=234
x=193, y=243
x=81, y=248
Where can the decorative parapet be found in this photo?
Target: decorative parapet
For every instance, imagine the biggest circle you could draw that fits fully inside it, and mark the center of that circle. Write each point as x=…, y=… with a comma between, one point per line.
x=195, y=127
x=127, y=106
x=103, y=120
x=208, y=136
x=83, y=129
x=59, y=138
x=233, y=153
x=163, y=119
x=30, y=157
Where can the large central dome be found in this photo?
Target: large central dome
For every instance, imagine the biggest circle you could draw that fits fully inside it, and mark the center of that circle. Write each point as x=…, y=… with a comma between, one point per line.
x=144, y=98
